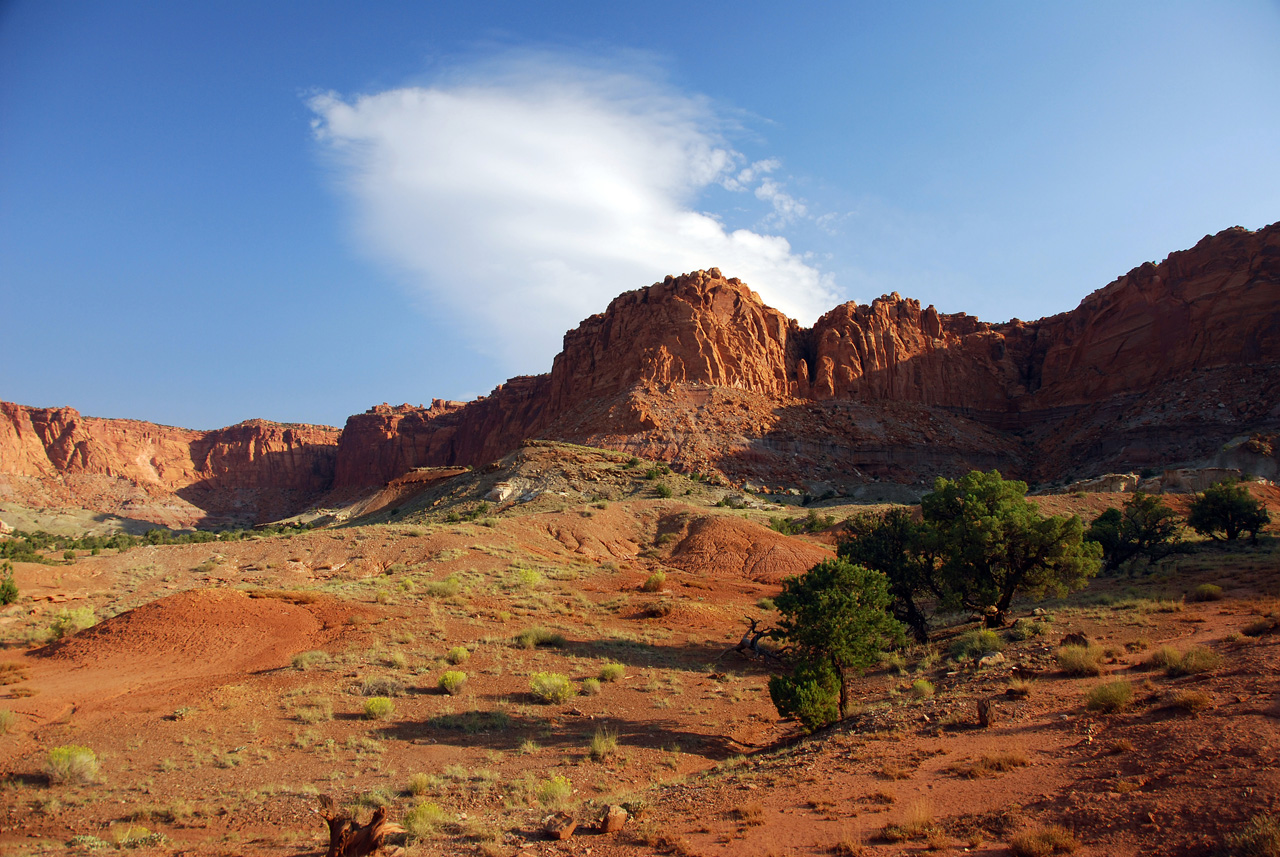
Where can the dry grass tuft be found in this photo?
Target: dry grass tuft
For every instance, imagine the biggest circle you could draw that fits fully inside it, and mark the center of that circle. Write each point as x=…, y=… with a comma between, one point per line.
x=1044, y=842
x=1081, y=660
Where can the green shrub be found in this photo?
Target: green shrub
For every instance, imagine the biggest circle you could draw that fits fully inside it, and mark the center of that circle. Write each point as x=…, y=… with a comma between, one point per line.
x=1227, y=510
x=663, y=490
x=655, y=582
x=453, y=681
x=1081, y=660
x=612, y=671
x=424, y=820
x=1205, y=592
x=1109, y=697
x=8, y=589
x=922, y=688
x=590, y=686
x=1163, y=657
x=766, y=604
x=458, y=655
x=551, y=687
x=307, y=660
x=379, y=708
x=1260, y=837
x=554, y=792
x=446, y=588
x=72, y=764
x=68, y=622
x=532, y=638
x=975, y=644
x=1026, y=629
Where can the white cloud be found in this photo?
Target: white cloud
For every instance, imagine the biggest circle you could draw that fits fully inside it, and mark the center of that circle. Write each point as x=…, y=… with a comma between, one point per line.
x=523, y=198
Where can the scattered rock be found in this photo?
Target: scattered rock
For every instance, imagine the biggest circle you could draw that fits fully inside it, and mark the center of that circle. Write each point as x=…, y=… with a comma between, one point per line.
x=559, y=826
x=614, y=819
x=1075, y=639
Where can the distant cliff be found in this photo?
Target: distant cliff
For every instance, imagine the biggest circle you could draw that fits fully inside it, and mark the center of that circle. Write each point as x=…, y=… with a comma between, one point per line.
x=1168, y=365
x=244, y=473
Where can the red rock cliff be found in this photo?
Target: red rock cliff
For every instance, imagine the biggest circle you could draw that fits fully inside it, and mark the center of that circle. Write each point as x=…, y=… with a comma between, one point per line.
x=55, y=456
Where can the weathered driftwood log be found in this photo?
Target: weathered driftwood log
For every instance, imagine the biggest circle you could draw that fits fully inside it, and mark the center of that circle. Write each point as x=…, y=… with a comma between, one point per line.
x=349, y=839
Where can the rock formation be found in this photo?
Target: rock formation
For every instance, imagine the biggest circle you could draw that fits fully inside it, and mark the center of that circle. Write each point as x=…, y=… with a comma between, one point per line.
x=1169, y=365
x=240, y=474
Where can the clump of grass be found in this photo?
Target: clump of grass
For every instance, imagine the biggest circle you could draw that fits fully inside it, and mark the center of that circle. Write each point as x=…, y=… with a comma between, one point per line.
x=1109, y=697
x=590, y=686
x=766, y=604
x=532, y=638
x=320, y=708
x=554, y=792
x=748, y=814
x=551, y=687
x=1196, y=660
x=453, y=681
x=975, y=644
x=1025, y=629
x=1081, y=660
x=922, y=688
x=381, y=686
x=424, y=820
x=1192, y=701
x=655, y=582
x=989, y=766
x=1260, y=837
x=916, y=824
x=612, y=671
x=1193, y=661
x=1261, y=625
x=457, y=655
x=604, y=744
x=1020, y=688
x=1205, y=592
x=307, y=660
x=446, y=588
x=379, y=708
x=72, y=763
x=421, y=784
x=7, y=719
x=1044, y=842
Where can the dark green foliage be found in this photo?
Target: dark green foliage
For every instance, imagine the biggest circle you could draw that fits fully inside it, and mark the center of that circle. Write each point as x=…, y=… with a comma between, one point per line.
x=899, y=548
x=993, y=544
x=1145, y=527
x=810, y=694
x=833, y=619
x=8, y=589
x=663, y=490
x=810, y=523
x=1227, y=510
x=28, y=547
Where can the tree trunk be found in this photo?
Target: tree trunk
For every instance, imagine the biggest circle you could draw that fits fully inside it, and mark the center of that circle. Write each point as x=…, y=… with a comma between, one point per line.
x=349, y=839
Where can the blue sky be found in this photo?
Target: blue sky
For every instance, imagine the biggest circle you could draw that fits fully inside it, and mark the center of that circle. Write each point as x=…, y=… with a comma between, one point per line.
x=211, y=212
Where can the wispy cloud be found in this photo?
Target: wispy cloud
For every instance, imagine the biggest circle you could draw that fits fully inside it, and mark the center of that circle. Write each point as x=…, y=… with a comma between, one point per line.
x=522, y=197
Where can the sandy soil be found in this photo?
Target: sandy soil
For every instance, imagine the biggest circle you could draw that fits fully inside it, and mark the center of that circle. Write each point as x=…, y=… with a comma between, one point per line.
x=211, y=730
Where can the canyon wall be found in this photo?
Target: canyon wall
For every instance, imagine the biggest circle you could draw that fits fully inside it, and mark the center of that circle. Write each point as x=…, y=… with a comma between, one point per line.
x=239, y=474
x=1164, y=366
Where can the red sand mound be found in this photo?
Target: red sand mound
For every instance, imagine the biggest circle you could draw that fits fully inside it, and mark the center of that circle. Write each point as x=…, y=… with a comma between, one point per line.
x=205, y=632
x=723, y=546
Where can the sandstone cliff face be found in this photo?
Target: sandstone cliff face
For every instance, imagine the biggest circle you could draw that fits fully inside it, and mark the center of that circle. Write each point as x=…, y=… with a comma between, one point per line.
x=1132, y=376
x=1161, y=367
x=55, y=456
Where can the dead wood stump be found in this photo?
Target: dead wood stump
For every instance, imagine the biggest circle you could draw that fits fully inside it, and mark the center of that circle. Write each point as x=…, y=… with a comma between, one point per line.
x=986, y=713
x=347, y=838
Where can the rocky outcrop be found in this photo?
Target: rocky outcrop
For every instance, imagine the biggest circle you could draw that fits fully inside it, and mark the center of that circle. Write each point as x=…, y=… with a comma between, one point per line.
x=238, y=474
x=1168, y=366
x=1158, y=367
